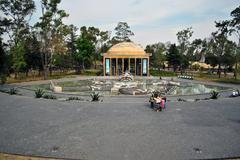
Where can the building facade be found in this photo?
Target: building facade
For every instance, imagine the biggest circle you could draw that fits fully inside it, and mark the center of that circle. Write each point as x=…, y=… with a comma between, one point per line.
x=126, y=57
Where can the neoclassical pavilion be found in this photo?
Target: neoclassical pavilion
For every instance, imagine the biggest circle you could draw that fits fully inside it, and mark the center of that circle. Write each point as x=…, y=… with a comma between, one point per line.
x=126, y=57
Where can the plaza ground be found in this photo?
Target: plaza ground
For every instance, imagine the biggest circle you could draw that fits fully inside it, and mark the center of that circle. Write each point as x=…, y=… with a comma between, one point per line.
x=128, y=129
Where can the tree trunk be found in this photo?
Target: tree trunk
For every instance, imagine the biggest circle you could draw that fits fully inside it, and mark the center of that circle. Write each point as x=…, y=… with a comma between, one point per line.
x=95, y=62
x=219, y=71
x=46, y=71
x=83, y=65
x=235, y=71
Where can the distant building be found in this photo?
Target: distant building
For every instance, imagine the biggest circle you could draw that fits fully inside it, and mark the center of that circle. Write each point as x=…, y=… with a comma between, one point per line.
x=126, y=57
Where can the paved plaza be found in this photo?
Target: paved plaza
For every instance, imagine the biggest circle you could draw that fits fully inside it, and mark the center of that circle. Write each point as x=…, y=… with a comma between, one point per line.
x=123, y=130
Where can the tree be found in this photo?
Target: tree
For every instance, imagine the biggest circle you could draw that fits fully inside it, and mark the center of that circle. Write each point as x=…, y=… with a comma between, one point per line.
x=220, y=40
x=173, y=57
x=19, y=63
x=32, y=54
x=71, y=42
x=158, y=54
x=52, y=32
x=3, y=63
x=15, y=23
x=15, y=18
x=85, y=51
x=97, y=37
x=183, y=39
x=123, y=33
x=235, y=29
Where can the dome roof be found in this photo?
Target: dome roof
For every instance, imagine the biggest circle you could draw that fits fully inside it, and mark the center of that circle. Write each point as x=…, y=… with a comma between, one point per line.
x=126, y=48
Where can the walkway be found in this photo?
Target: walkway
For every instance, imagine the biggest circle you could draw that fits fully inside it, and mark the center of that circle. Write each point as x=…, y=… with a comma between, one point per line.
x=108, y=130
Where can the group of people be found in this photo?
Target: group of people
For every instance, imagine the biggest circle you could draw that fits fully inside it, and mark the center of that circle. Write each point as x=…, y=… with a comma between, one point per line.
x=160, y=103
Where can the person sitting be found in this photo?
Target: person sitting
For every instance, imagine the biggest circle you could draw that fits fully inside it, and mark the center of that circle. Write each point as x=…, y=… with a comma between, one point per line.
x=158, y=100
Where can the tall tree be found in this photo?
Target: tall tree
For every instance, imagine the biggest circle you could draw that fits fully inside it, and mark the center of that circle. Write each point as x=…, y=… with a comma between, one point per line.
x=85, y=51
x=15, y=23
x=219, y=42
x=158, y=52
x=3, y=63
x=123, y=33
x=16, y=15
x=97, y=37
x=235, y=29
x=183, y=37
x=173, y=57
x=52, y=32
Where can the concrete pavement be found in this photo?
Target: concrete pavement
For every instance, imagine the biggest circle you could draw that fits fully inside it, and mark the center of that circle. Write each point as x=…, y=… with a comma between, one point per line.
x=125, y=130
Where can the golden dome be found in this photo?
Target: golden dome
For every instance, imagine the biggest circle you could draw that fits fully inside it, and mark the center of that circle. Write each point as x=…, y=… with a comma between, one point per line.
x=126, y=48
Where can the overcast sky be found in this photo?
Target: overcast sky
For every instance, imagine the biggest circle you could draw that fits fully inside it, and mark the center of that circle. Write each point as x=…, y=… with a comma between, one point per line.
x=151, y=20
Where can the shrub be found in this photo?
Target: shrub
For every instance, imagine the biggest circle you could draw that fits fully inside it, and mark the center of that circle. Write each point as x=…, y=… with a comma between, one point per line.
x=162, y=73
x=95, y=96
x=3, y=78
x=92, y=72
x=39, y=93
x=49, y=96
x=214, y=95
x=13, y=91
x=74, y=98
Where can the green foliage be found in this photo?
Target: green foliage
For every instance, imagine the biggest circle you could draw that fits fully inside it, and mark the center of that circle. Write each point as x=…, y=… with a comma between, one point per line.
x=15, y=14
x=123, y=33
x=74, y=99
x=39, y=93
x=158, y=54
x=3, y=78
x=92, y=73
x=183, y=39
x=49, y=96
x=13, y=91
x=85, y=51
x=95, y=96
x=162, y=73
x=52, y=32
x=214, y=95
x=3, y=64
x=173, y=57
x=196, y=67
x=19, y=63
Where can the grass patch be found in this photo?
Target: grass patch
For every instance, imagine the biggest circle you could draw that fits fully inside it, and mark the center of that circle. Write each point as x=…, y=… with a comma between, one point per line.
x=214, y=78
x=162, y=73
x=92, y=72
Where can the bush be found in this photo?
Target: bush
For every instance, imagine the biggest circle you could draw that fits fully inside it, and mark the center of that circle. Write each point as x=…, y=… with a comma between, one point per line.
x=39, y=93
x=74, y=98
x=162, y=73
x=92, y=72
x=3, y=78
x=214, y=95
x=95, y=96
x=13, y=91
x=49, y=96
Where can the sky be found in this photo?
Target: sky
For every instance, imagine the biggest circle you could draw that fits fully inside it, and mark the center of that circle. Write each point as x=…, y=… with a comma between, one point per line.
x=151, y=21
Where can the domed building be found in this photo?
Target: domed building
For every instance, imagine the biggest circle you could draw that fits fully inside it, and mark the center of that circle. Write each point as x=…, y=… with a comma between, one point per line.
x=126, y=57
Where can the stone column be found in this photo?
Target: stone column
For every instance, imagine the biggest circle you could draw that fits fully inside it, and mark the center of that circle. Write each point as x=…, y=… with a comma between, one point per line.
x=116, y=66
x=148, y=74
x=141, y=67
x=122, y=66
x=110, y=66
x=104, y=65
x=135, y=66
x=129, y=64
